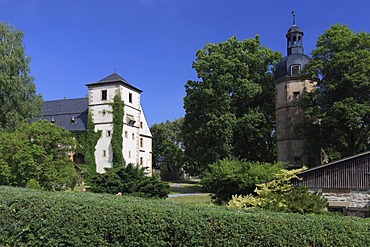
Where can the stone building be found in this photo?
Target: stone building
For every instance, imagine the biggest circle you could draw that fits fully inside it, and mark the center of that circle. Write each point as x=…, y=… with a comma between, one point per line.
x=288, y=89
x=71, y=114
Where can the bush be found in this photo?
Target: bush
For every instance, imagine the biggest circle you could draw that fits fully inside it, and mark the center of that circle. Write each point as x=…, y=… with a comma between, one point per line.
x=129, y=180
x=281, y=195
x=34, y=184
x=38, y=218
x=231, y=177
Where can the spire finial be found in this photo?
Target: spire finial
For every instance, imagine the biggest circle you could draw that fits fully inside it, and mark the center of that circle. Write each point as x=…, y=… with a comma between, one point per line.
x=293, y=13
x=115, y=71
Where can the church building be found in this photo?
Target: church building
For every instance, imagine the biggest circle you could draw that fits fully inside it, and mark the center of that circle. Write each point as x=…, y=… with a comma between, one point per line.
x=71, y=114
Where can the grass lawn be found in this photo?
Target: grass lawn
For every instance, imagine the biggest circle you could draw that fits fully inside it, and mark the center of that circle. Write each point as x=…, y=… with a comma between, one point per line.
x=193, y=199
x=188, y=187
x=185, y=187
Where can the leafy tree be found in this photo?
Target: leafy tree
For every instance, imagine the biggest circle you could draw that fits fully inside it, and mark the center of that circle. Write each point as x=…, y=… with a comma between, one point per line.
x=131, y=180
x=117, y=139
x=38, y=151
x=281, y=195
x=337, y=113
x=233, y=177
x=230, y=110
x=168, y=145
x=18, y=99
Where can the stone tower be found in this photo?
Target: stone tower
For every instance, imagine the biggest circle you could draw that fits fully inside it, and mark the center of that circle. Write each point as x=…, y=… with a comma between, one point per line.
x=288, y=89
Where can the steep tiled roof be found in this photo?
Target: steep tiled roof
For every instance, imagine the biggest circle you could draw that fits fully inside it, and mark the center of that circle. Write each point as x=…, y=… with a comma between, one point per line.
x=113, y=78
x=70, y=114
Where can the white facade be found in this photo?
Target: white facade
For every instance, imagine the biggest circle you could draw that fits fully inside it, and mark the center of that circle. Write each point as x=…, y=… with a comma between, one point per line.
x=137, y=139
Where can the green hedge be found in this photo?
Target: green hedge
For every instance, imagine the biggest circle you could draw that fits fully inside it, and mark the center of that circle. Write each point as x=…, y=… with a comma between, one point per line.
x=37, y=218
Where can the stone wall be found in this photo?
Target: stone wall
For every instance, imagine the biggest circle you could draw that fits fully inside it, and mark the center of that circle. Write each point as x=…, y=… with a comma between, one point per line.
x=350, y=198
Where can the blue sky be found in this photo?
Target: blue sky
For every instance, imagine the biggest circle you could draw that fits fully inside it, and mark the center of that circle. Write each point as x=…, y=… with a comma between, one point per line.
x=152, y=43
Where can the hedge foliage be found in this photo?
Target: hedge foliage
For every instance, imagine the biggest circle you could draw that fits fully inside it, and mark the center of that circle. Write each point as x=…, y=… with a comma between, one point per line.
x=39, y=218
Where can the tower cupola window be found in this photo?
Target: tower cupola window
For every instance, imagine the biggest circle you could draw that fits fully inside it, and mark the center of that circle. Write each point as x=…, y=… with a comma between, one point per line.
x=295, y=69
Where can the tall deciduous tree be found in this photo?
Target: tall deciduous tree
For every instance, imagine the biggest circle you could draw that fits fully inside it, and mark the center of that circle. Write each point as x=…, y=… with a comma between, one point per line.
x=337, y=113
x=18, y=98
x=38, y=151
x=168, y=145
x=117, y=139
x=230, y=110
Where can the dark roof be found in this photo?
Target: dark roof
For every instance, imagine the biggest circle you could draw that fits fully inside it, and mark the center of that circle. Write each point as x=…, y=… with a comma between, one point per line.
x=70, y=114
x=282, y=69
x=294, y=29
x=336, y=162
x=113, y=78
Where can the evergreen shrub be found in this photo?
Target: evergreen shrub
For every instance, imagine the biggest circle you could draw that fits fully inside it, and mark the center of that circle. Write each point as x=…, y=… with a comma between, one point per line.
x=130, y=179
x=40, y=218
x=229, y=177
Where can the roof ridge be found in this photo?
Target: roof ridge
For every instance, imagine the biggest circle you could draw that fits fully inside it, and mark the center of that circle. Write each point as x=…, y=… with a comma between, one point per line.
x=336, y=161
x=113, y=77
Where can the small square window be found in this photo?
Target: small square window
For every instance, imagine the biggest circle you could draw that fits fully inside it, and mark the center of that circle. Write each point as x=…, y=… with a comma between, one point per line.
x=130, y=97
x=295, y=69
x=103, y=94
x=130, y=121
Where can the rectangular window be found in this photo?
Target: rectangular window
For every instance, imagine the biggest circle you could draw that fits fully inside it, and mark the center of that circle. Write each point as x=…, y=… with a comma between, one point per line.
x=109, y=133
x=104, y=153
x=141, y=142
x=295, y=95
x=133, y=136
x=129, y=154
x=141, y=161
x=295, y=69
x=130, y=97
x=103, y=94
x=126, y=134
x=141, y=125
x=130, y=121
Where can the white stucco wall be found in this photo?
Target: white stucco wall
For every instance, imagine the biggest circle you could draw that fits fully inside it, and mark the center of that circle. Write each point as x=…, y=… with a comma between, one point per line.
x=132, y=132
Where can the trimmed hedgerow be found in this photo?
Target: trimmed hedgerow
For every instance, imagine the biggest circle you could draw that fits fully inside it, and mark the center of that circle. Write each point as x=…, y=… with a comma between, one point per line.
x=38, y=218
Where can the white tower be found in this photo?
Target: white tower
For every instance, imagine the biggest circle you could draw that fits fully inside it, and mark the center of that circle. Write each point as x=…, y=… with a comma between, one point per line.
x=137, y=139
